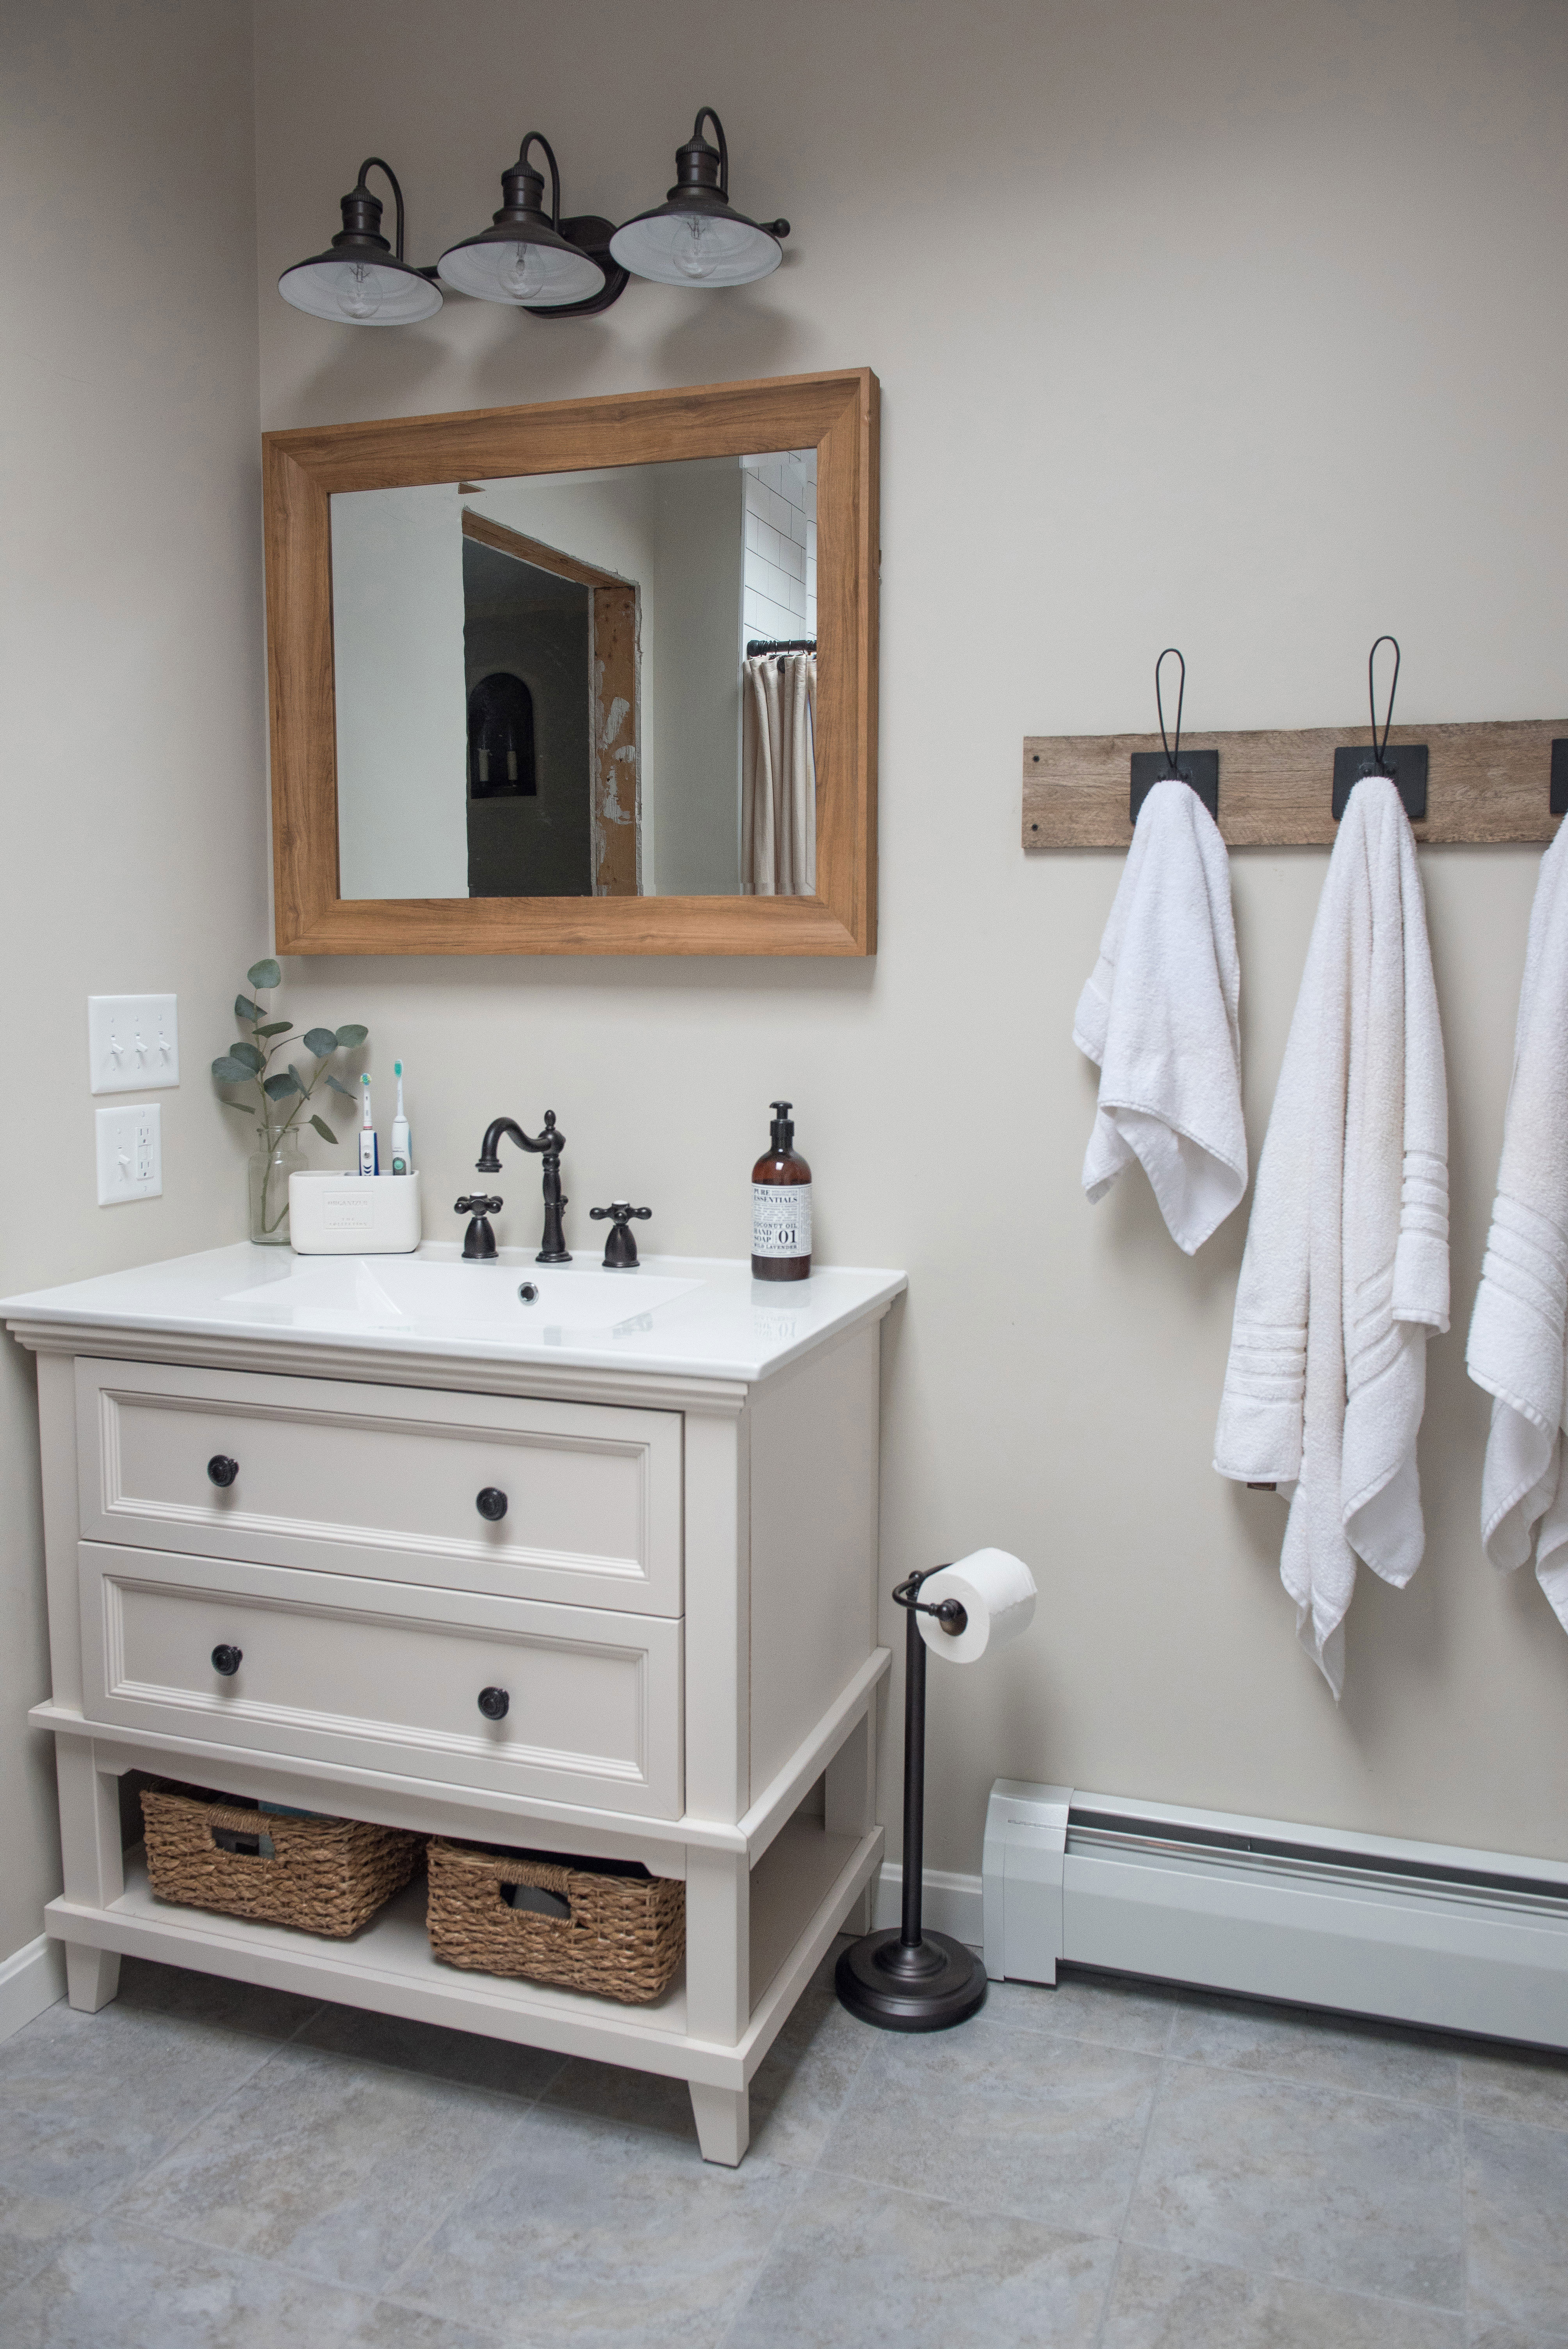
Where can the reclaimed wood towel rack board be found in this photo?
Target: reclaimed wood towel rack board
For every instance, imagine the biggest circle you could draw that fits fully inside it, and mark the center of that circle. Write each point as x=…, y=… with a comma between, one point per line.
x=1484, y=783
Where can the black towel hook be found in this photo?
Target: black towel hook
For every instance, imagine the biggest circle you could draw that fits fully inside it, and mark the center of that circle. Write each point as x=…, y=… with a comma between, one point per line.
x=1200, y=768
x=1172, y=772
x=1380, y=750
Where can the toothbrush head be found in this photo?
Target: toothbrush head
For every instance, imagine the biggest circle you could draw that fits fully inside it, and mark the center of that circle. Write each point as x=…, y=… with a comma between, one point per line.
x=396, y=1068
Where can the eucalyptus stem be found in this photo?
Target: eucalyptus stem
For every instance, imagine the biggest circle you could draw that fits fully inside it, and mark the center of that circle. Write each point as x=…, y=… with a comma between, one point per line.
x=248, y=1067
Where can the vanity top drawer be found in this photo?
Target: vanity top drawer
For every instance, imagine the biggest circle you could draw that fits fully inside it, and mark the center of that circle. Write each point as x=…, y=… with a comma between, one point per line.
x=579, y=1705
x=574, y=1503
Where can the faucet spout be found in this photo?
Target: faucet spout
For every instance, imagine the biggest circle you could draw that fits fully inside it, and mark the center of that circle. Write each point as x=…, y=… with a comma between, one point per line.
x=547, y=1145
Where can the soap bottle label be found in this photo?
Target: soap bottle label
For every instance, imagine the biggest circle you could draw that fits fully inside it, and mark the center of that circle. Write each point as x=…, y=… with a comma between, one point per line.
x=780, y=1219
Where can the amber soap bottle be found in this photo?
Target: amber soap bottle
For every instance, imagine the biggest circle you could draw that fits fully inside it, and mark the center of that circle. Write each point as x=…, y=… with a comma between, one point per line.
x=782, y=1207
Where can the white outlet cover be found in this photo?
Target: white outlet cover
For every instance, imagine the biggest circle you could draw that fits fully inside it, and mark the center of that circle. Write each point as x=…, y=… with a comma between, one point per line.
x=129, y=1154
x=133, y=1042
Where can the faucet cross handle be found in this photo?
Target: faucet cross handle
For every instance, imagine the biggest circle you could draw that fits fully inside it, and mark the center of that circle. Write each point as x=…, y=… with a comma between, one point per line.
x=478, y=1241
x=620, y=1244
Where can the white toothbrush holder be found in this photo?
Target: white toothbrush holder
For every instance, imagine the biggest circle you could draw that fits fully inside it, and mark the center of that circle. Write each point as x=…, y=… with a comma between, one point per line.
x=354, y=1215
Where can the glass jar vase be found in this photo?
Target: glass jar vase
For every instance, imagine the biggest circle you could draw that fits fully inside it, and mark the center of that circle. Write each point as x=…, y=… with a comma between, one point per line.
x=269, y=1185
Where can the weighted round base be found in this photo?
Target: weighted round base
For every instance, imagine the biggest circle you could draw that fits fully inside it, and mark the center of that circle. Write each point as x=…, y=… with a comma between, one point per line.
x=926, y=1989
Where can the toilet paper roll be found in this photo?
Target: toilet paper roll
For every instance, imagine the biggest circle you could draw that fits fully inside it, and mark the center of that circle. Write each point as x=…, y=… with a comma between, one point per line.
x=996, y=1590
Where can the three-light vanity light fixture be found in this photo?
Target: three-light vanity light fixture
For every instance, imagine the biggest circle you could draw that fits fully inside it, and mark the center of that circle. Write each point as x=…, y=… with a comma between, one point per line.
x=533, y=260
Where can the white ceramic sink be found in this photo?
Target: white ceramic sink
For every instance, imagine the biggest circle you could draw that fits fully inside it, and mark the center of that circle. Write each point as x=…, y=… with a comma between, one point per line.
x=348, y=1295
x=701, y=1316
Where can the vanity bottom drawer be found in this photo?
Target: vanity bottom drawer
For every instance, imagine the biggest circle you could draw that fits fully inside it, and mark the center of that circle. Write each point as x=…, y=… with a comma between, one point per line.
x=579, y=1704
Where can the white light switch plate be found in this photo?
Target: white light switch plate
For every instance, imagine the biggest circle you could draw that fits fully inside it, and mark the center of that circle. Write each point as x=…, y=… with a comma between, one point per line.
x=129, y=1154
x=133, y=1042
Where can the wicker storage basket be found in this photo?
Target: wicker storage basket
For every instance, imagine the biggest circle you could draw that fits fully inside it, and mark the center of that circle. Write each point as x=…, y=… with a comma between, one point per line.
x=324, y=1875
x=624, y=1938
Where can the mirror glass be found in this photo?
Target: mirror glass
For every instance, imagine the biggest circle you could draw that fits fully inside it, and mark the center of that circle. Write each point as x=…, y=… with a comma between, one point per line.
x=578, y=685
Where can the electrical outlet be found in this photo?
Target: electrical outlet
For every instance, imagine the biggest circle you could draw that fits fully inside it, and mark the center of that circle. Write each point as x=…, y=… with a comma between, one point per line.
x=129, y=1154
x=133, y=1042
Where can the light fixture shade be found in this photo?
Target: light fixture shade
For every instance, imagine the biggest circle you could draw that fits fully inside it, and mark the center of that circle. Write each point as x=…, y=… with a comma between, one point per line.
x=523, y=258
x=360, y=292
x=360, y=281
x=695, y=237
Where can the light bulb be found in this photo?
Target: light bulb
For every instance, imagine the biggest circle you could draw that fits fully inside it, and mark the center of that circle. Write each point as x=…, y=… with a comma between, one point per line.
x=360, y=295
x=694, y=255
x=523, y=275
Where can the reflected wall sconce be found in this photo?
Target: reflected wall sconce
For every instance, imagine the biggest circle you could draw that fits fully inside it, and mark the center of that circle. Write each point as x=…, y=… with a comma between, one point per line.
x=360, y=280
x=535, y=261
x=531, y=261
x=695, y=237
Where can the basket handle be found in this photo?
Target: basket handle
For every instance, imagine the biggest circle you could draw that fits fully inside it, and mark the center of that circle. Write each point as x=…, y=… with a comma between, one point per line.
x=541, y=1875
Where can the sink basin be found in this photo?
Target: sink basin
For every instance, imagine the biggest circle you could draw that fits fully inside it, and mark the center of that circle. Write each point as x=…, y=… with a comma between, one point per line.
x=418, y=1295
x=688, y=1317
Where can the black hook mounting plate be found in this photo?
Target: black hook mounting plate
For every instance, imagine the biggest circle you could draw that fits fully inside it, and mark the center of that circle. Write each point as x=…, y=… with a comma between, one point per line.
x=1406, y=766
x=1560, y=778
x=1200, y=768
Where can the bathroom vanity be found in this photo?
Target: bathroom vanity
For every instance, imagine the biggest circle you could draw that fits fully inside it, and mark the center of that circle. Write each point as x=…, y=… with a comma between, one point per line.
x=641, y=1505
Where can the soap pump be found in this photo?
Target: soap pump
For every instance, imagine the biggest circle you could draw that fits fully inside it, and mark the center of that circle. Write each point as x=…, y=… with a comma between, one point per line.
x=782, y=1205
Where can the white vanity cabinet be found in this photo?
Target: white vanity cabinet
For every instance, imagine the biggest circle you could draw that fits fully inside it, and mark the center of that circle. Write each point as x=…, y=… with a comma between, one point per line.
x=288, y=1546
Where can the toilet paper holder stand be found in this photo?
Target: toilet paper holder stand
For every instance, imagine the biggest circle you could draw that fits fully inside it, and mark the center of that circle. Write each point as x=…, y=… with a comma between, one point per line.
x=903, y=1978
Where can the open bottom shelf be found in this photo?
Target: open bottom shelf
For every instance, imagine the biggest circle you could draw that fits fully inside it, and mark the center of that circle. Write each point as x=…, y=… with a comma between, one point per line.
x=389, y=1967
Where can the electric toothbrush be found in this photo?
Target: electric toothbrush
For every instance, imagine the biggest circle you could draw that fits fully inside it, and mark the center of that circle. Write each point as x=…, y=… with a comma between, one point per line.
x=370, y=1158
x=402, y=1148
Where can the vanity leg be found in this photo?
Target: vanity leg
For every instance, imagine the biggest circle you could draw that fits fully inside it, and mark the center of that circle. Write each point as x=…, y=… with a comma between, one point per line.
x=93, y=1863
x=850, y=1803
x=723, y=2117
x=92, y=1976
x=718, y=1987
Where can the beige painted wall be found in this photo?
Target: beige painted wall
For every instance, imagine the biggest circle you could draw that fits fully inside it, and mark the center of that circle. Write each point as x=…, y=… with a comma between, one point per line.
x=132, y=719
x=1242, y=329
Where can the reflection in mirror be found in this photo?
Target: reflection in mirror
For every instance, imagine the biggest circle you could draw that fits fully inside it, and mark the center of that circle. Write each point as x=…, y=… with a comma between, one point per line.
x=570, y=685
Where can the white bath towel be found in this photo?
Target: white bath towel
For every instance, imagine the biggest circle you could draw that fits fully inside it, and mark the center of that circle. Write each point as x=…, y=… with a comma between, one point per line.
x=1520, y=1325
x=1159, y=1016
x=1346, y=1263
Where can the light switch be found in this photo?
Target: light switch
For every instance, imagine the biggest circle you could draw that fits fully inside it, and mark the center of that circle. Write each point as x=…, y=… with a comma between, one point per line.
x=129, y=1154
x=133, y=1042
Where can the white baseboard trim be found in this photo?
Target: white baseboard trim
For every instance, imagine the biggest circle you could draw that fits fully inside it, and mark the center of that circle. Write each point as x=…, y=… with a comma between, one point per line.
x=949, y=1904
x=31, y=1978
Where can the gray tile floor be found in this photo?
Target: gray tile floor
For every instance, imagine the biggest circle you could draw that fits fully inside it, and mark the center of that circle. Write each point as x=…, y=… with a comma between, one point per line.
x=205, y=2165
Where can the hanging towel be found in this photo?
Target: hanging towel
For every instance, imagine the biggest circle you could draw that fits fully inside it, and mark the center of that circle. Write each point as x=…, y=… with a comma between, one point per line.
x=1159, y=1018
x=1346, y=1263
x=1518, y=1329
x=779, y=776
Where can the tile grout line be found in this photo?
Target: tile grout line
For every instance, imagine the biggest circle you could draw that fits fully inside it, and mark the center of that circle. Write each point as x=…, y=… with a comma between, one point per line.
x=1121, y=2237
x=137, y=2177
x=729, y=2337
x=1464, y=2208
x=1289, y=2080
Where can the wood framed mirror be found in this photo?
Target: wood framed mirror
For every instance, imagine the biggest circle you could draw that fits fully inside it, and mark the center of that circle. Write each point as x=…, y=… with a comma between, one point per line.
x=598, y=676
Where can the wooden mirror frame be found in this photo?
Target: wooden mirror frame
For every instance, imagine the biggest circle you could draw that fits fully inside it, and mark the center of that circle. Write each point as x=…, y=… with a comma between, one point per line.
x=837, y=414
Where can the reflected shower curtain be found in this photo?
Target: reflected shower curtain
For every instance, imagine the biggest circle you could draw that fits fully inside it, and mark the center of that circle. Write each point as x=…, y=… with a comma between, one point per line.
x=779, y=776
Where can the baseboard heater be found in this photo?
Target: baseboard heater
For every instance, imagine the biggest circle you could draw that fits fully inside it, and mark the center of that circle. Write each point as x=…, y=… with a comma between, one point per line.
x=1413, y=1932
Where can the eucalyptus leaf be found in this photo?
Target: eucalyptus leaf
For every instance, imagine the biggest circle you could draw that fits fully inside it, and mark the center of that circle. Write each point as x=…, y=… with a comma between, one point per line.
x=325, y=1130
x=248, y=1054
x=245, y=1009
x=321, y=1041
x=230, y=1071
x=279, y=1087
x=275, y=1028
x=338, y=1088
x=352, y=1037
x=264, y=974
x=245, y=1108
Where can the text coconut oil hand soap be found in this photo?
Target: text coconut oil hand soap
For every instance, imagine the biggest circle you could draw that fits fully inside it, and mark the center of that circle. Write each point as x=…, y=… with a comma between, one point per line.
x=781, y=1206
